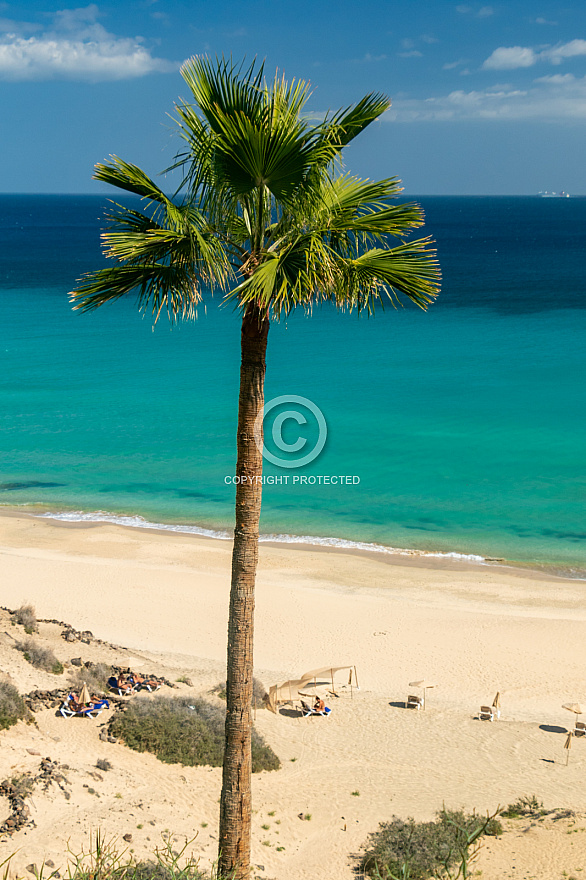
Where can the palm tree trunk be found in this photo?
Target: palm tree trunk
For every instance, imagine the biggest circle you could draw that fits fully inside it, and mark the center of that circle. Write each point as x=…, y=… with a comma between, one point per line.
x=235, y=803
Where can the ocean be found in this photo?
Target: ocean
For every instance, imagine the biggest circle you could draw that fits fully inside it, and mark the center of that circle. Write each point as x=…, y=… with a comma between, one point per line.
x=457, y=430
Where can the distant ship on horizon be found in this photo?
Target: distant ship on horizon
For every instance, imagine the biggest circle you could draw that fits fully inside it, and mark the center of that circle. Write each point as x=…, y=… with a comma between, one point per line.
x=553, y=195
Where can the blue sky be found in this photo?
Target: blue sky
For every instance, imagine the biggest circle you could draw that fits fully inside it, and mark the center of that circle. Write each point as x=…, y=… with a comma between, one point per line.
x=487, y=98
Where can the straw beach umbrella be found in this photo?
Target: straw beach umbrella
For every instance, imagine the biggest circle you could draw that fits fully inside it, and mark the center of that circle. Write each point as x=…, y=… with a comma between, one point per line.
x=84, y=697
x=425, y=685
x=573, y=707
x=568, y=746
x=576, y=708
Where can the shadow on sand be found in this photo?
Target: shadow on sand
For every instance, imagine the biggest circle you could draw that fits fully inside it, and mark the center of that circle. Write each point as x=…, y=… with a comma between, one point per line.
x=291, y=713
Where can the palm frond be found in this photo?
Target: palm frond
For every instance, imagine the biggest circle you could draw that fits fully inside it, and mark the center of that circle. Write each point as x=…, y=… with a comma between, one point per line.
x=165, y=258
x=225, y=88
x=130, y=178
x=410, y=269
x=179, y=233
x=157, y=288
x=347, y=124
x=357, y=211
x=309, y=271
x=252, y=134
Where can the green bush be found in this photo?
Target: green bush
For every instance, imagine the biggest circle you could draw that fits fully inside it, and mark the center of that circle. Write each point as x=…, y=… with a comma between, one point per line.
x=523, y=808
x=12, y=705
x=182, y=730
x=27, y=617
x=420, y=850
x=42, y=658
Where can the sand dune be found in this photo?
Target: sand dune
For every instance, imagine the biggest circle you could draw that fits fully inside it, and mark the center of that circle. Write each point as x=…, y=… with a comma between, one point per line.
x=470, y=629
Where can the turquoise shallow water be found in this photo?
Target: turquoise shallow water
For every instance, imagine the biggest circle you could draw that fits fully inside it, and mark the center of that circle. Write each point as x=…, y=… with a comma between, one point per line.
x=465, y=425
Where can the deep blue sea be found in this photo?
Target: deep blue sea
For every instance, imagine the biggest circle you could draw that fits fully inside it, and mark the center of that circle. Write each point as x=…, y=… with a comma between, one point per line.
x=465, y=424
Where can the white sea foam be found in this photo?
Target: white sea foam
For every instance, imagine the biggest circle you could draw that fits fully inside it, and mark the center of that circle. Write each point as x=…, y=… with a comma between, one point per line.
x=137, y=522
x=341, y=543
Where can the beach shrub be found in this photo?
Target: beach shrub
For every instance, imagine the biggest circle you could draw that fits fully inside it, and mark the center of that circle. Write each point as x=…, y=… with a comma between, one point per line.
x=524, y=808
x=183, y=730
x=12, y=705
x=109, y=860
x=403, y=848
x=27, y=617
x=103, y=764
x=219, y=690
x=95, y=677
x=42, y=658
x=21, y=786
x=259, y=694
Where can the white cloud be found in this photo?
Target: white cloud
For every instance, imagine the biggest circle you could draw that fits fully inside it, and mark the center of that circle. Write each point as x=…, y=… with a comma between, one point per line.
x=566, y=50
x=76, y=47
x=554, y=98
x=413, y=53
x=512, y=57
x=8, y=25
x=453, y=64
x=545, y=21
x=557, y=78
x=483, y=12
x=509, y=58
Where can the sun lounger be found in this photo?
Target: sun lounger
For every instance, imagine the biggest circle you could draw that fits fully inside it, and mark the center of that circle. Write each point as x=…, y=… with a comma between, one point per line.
x=414, y=702
x=309, y=710
x=94, y=709
x=127, y=687
x=71, y=707
x=67, y=708
x=580, y=729
x=489, y=713
x=147, y=684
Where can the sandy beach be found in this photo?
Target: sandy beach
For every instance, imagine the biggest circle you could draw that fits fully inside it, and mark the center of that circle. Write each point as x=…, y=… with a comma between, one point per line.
x=471, y=630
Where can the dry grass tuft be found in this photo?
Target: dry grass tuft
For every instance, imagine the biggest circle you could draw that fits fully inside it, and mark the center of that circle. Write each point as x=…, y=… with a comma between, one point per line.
x=27, y=617
x=12, y=705
x=40, y=657
x=95, y=676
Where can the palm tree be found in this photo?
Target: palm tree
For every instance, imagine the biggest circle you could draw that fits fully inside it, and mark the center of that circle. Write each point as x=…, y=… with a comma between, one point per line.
x=266, y=215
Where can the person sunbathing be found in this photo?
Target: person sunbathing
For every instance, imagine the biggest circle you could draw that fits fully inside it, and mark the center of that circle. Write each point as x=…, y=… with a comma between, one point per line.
x=319, y=705
x=123, y=684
